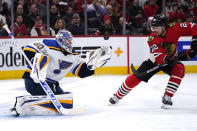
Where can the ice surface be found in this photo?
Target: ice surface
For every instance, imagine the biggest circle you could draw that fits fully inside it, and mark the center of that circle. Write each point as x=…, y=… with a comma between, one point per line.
x=138, y=111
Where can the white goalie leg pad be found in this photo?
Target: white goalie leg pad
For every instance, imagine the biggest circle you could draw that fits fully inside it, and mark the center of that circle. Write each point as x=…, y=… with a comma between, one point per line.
x=99, y=57
x=39, y=68
x=40, y=105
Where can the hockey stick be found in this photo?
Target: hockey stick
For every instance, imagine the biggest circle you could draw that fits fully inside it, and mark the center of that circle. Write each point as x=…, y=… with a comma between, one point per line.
x=43, y=84
x=141, y=74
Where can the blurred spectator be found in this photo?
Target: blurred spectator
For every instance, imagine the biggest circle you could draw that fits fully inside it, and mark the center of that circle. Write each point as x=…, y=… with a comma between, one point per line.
x=115, y=7
x=73, y=4
x=136, y=15
x=20, y=11
x=23, y=4
x=9, y=2
x=193, y=8
x=20, y=28
x=95, y=13
x=113, y=16
x=2, y=31
x=56, y=2
x=59, y=25
x=76, y=28
x=147, y=27
x=190, y=18
x=150, y=9
x=41, y=6
x=68, y=16
x=40, y=29
x=32, y=16
x=54, y=15
x=4, y=9
x=63, y=7
x=176, y=14
x=107, y=28
x=80, y=5
x=119, y=27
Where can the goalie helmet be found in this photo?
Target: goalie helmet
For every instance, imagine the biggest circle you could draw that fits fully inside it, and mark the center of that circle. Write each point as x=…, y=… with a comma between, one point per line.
x=64, y=39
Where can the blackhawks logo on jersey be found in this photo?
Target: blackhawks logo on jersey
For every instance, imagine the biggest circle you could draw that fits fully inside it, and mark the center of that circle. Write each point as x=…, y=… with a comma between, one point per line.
x=169, y=48
x=151, y=38
x=172, y=24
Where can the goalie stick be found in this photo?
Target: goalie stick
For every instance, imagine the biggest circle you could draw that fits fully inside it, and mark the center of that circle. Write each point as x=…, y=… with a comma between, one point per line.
x=43, y=84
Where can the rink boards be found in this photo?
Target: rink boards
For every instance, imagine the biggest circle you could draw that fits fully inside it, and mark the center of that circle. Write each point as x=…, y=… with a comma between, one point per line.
x=126, y=50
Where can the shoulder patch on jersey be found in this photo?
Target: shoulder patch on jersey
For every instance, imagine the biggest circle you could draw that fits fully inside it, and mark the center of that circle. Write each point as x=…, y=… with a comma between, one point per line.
x=172, y=24
x=52, y=44
x=30, y=48
x=74, y=52
x=151, y=38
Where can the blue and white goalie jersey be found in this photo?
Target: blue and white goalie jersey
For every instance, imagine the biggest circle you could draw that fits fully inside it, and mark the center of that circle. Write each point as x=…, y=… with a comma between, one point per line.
x=59, y=63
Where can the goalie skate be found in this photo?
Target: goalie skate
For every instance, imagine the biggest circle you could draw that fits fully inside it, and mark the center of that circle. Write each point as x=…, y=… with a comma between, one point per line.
x=167, y=102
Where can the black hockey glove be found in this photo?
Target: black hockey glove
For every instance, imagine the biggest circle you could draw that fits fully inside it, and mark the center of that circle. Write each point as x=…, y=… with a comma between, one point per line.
x=186, y=55
x=189, y=54
x=171, y=60
x=194, y=43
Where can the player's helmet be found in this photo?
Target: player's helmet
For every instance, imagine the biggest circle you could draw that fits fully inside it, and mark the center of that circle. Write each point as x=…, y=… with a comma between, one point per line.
x=159, y=20
x=62, y=38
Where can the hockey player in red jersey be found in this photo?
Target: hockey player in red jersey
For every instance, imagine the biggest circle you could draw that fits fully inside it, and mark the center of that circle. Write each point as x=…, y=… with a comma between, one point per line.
x=163, y=49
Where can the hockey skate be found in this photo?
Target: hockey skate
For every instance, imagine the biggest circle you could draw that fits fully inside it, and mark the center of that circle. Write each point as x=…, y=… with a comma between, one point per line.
x=167, y=102
x=114, y=99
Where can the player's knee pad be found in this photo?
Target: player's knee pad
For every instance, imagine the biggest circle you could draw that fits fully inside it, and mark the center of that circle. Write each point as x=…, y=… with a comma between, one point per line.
x=178, y=70
x=132, y=81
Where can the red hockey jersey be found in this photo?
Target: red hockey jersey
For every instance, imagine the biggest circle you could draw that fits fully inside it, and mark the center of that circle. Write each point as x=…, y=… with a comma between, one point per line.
x=167, y=45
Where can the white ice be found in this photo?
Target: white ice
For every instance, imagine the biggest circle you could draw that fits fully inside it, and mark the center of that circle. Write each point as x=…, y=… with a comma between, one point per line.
x=138, y=111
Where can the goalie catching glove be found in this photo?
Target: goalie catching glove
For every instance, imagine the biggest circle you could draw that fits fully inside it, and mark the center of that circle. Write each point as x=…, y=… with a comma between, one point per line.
x=39, y=67
x=99, y=57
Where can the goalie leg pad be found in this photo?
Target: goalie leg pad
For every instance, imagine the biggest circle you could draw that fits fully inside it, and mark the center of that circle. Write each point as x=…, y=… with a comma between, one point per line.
x=40, y=105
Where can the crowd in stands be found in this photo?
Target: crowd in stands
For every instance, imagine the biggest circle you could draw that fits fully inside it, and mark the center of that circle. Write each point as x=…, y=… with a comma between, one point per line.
x=105, y=17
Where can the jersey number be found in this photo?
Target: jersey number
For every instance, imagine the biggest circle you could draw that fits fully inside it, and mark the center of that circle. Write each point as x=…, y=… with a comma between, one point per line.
x=183, y=25
x=154, y=47
x=39, y=45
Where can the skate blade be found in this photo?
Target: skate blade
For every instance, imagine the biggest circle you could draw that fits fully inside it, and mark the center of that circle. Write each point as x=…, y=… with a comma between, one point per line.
x=13, y=112
x=166, y=107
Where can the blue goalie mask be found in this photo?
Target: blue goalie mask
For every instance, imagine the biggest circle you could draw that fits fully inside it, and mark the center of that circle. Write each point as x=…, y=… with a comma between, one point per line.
x=64, y=39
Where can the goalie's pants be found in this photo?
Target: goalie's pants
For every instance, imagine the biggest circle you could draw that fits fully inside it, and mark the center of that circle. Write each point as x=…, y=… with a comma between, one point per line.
x=148, y=64
x=36, y=89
